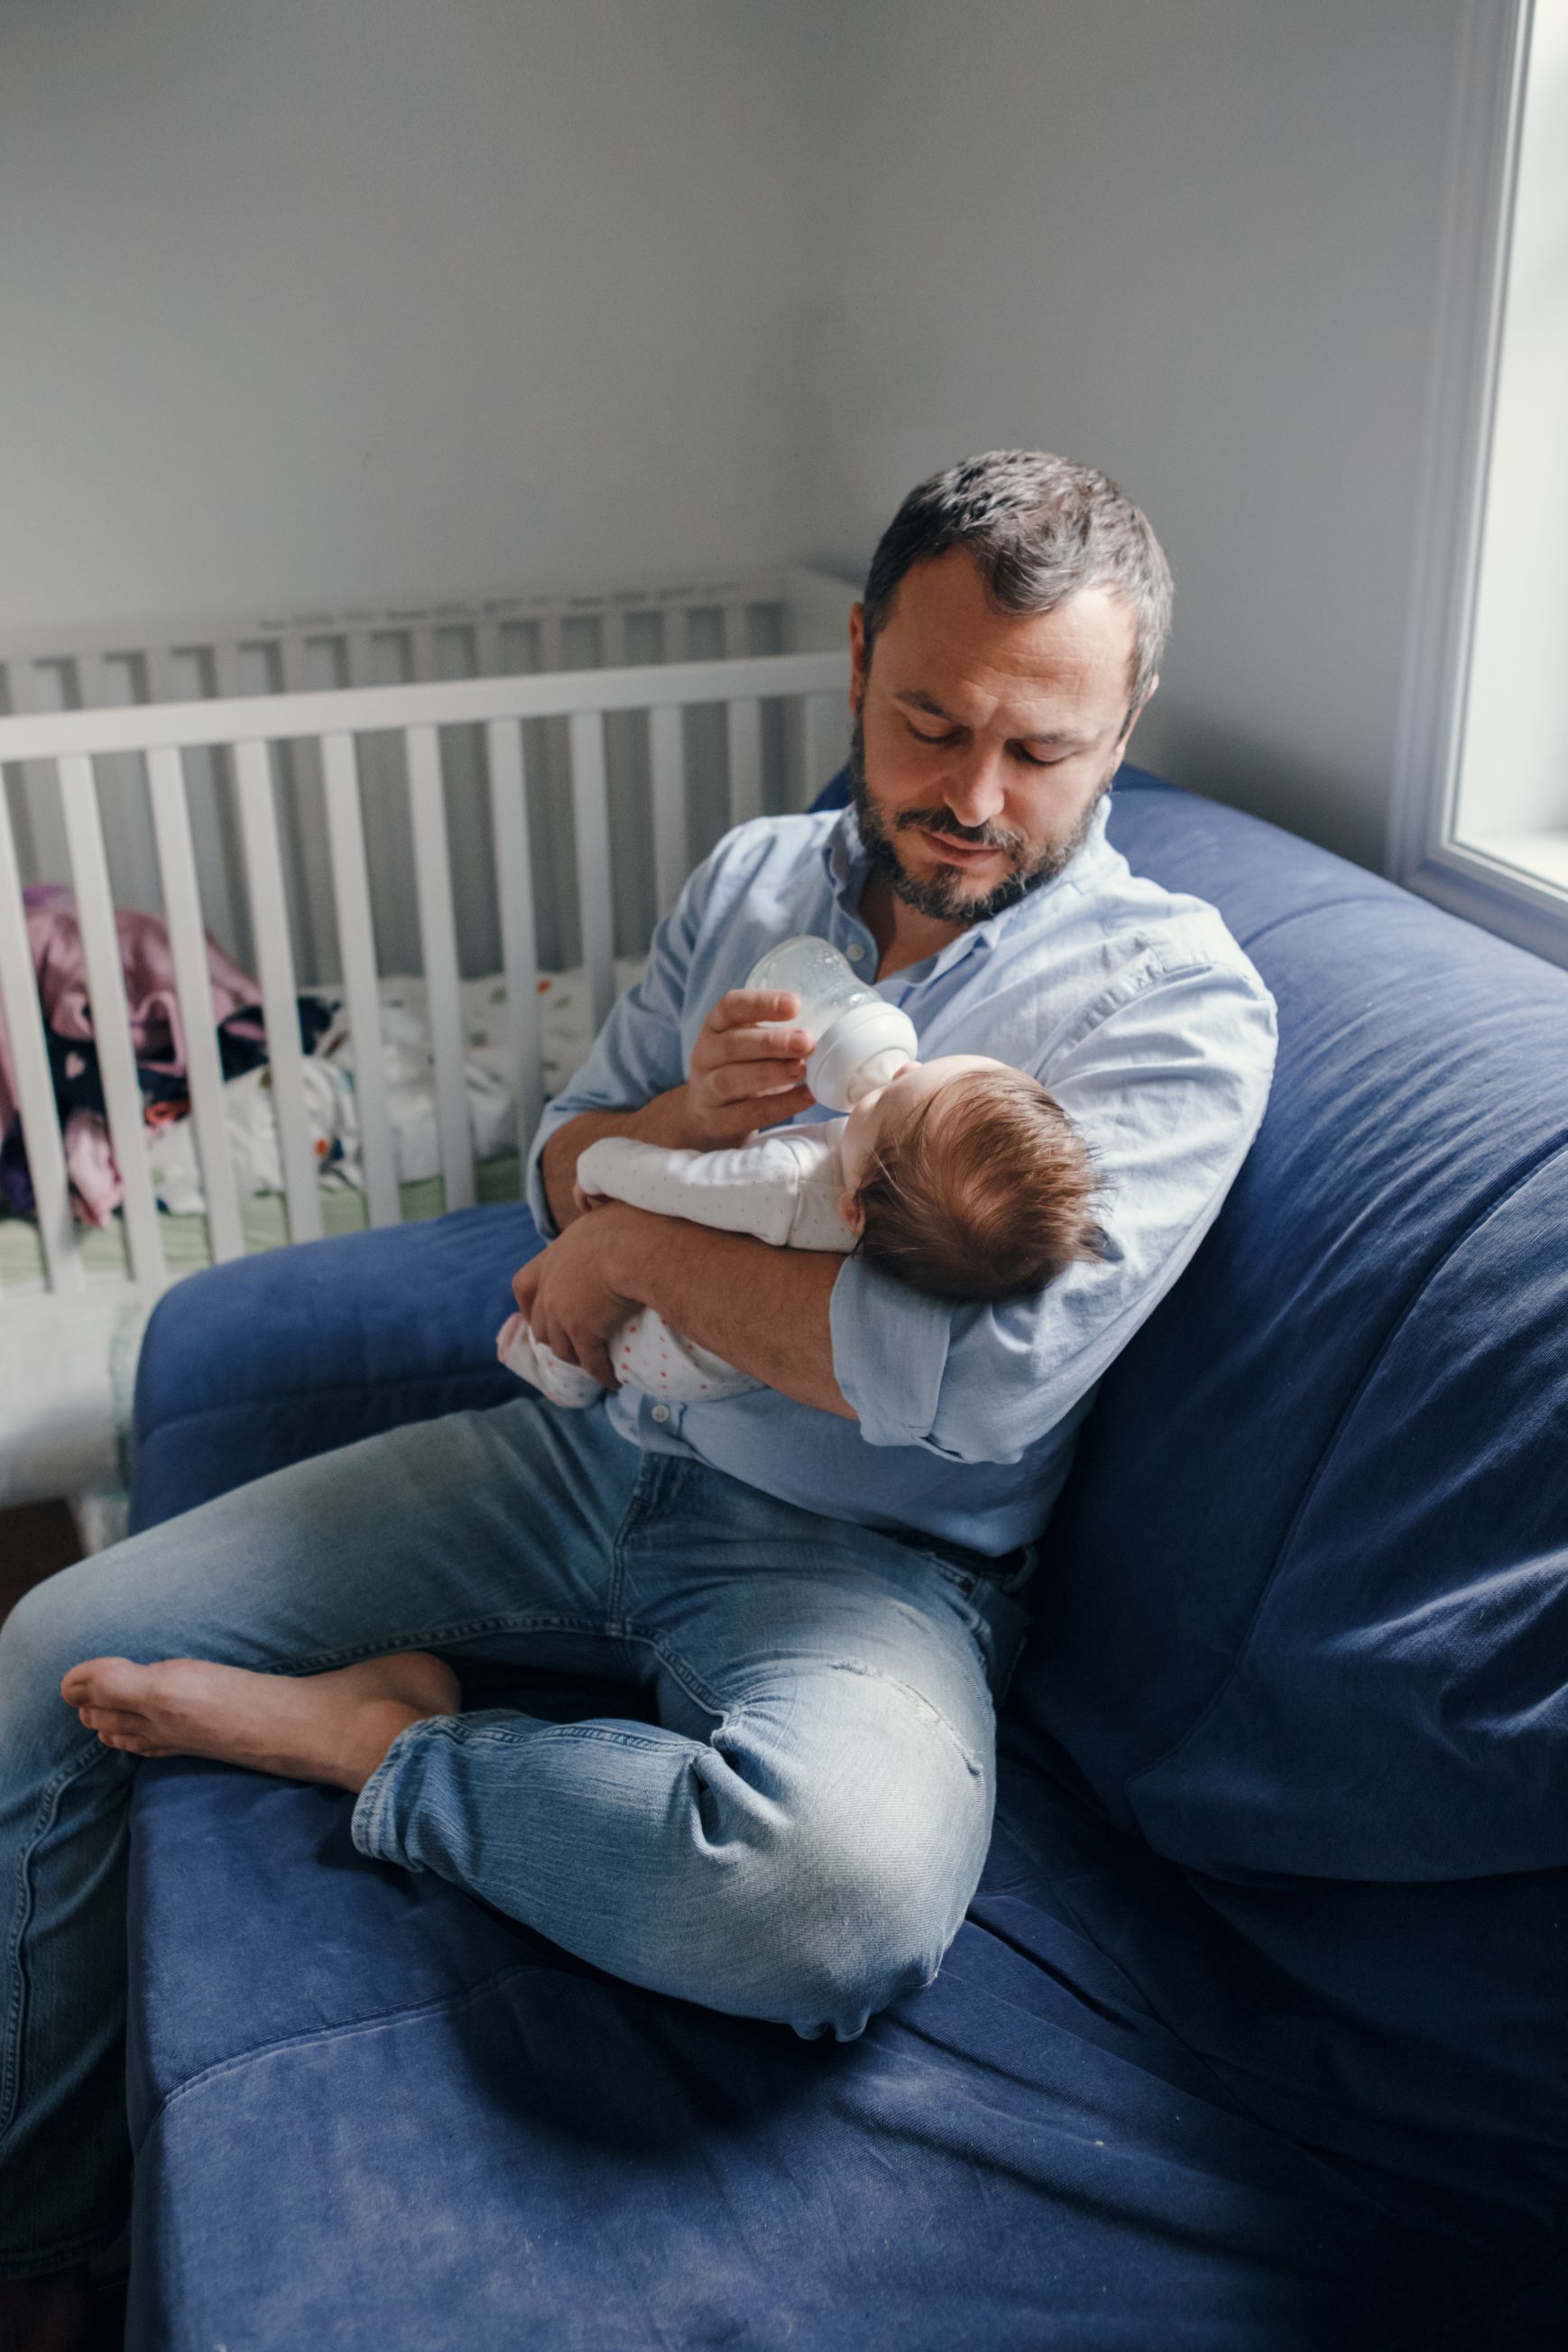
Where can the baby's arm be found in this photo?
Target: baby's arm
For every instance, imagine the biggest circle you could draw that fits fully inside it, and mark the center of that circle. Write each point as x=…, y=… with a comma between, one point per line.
x=782, y=1189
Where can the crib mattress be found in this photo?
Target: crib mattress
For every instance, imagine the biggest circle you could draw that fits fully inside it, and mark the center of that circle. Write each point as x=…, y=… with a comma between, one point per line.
x=187, y=1246
x=67, y=1367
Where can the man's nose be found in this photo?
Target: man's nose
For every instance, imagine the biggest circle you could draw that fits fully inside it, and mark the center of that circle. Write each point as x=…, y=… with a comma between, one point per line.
x=975, y=790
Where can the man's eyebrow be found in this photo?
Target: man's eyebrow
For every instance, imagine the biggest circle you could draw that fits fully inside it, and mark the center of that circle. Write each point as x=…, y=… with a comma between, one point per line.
x=916, y=700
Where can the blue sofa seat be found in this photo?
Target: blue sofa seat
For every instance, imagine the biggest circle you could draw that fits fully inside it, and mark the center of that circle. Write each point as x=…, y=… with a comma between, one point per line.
x=1255, y=2035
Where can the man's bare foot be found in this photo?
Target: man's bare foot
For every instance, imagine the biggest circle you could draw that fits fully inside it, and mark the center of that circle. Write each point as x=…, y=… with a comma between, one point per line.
x=46, y=2315
x=334, y=1728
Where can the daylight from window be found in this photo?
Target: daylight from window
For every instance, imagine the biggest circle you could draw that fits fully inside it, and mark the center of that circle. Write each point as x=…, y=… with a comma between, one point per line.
x=1512, y=804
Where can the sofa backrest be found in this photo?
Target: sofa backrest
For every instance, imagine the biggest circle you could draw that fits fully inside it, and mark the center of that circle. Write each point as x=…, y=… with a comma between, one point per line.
x=1305, y=1602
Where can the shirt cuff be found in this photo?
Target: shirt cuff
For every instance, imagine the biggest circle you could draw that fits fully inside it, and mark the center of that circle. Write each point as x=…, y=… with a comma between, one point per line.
x=890, y=1352
x=534, y=1191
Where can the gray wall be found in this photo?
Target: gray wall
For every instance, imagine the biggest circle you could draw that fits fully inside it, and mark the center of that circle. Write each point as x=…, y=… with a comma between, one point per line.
x=375, y=299
x=306, y=298
x=1194, y=245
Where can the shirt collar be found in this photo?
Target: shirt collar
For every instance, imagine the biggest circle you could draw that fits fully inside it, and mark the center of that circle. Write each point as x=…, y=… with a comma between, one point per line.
x=844, y=855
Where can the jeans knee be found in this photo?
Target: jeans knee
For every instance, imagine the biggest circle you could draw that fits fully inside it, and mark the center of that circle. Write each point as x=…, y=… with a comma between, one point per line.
x=43, y=1636
x=857, y=1970
x=855, y=1920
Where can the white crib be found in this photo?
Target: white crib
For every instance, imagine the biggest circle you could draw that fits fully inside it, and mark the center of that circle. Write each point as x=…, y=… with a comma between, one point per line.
x=540, y=806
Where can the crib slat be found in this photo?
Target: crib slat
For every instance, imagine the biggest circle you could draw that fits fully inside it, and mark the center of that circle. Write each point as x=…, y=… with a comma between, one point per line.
x=40, y=800
x=309, y=868
x=439, y=941
x=551, y=641
x=745, y=730
x=275, y=970
x=591, y=818
x=111, y=1020
x=226, y=676
x=667, y=750
x=160, y=675
x=30, y=1070
x=356, y=936
x=182, y=902
x=611, y=639
x=520, y=952
x=94, y=685
x=132, y=862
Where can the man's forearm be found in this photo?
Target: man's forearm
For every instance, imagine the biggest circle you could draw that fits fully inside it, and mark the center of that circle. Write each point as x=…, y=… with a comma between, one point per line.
x=764, y=1310
x=662, y=1120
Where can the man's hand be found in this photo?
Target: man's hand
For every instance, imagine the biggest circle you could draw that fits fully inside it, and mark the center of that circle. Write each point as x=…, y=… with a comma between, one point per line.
x=767, y=1311
x=745, y=1076
x=568, y=1296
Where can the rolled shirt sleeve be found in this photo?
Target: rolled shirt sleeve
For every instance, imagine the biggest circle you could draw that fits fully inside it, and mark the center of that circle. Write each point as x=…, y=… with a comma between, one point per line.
x=640, y=1052
x=1166, y=1078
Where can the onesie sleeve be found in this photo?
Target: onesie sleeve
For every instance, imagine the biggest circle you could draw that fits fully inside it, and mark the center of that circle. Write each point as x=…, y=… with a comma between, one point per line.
x=757, y=1188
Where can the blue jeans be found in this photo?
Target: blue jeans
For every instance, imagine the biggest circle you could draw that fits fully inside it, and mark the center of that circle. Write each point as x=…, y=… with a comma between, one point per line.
x=796, y=1838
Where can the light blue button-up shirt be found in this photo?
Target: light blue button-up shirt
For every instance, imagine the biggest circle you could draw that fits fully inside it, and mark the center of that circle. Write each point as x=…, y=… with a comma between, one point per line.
x=1138, y=1011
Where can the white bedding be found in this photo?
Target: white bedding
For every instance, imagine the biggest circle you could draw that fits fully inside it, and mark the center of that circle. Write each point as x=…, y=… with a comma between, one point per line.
x=565, y=1036
x=67, y=1364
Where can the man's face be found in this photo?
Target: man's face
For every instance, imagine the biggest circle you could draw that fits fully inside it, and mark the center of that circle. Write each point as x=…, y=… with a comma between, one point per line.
x=982, y=741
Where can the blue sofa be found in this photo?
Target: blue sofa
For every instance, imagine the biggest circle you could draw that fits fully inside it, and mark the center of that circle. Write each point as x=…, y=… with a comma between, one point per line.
x=1257, y=2034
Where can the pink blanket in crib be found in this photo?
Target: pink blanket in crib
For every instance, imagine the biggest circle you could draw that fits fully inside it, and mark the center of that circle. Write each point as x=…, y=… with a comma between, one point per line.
x=157, y=1027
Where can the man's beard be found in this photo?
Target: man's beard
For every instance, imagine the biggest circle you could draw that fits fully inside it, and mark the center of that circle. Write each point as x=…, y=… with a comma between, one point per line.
x=943, y=898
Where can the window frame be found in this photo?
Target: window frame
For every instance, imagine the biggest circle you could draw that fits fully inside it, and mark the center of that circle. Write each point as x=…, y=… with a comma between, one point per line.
x=1423, y=850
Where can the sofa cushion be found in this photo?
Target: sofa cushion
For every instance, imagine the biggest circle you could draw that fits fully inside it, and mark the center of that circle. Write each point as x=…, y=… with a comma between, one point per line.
x=275, y=1357
x=1306, y=1607
x=368, y=2110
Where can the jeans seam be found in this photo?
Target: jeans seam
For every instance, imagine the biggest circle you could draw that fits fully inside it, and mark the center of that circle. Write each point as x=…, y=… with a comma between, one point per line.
x=465, y=1630
x=94, y=1751
x=654, y=1478
x=614, y=1736
x=679, y=1667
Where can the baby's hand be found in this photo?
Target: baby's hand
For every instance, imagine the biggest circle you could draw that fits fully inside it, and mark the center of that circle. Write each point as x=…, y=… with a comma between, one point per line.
x=583, y=1201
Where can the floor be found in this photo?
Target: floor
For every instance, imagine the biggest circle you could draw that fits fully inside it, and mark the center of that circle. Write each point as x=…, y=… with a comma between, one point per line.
x=34, y=1543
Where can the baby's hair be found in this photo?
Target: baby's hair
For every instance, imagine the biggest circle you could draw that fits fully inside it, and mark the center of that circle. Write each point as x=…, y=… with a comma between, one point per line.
x=991, y=1198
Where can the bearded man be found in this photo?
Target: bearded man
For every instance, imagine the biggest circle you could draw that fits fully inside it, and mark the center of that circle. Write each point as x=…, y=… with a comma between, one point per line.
x=818, y=1584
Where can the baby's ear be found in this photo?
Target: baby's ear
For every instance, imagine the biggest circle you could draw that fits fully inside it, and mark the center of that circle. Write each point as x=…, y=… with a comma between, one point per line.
x=850, y=1209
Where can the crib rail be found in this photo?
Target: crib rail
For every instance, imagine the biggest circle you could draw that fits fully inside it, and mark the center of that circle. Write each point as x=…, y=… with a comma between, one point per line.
x=247, y=734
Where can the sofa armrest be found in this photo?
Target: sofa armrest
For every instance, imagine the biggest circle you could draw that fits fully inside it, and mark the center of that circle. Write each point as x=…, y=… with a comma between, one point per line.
x=294, y=1351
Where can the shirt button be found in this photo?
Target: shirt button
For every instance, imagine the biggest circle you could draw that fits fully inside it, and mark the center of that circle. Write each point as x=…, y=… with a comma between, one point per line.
x=854, y=950
x=661, y=1412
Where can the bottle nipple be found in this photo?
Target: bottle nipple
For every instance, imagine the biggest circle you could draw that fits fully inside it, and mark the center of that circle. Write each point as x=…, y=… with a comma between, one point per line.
x=877, y=1070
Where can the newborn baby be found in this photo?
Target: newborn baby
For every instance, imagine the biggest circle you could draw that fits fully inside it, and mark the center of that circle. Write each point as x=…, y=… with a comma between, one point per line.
x=962, y=1176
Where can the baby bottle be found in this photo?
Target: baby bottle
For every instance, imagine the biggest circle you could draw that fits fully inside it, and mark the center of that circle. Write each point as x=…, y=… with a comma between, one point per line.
x=861, y=1040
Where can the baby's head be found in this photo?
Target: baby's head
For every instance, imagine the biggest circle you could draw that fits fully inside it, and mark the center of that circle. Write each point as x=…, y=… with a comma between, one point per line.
x=967, y=1180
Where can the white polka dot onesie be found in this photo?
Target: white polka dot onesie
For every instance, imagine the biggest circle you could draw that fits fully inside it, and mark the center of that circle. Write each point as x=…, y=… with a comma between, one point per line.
x=785, y=1189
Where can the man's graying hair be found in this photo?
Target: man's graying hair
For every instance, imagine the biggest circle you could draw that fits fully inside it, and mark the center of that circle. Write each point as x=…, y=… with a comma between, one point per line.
x=1040, y=530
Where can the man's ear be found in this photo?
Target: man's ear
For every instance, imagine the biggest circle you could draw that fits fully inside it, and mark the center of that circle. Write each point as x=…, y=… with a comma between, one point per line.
x=1139, y=708
x=857, y=656
x=850, y=1209
x=1133, y=716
